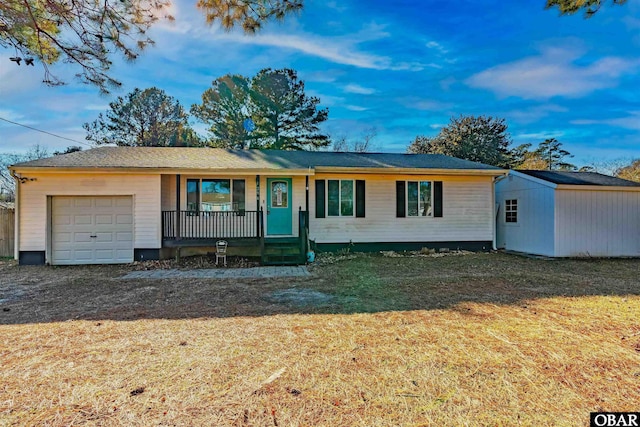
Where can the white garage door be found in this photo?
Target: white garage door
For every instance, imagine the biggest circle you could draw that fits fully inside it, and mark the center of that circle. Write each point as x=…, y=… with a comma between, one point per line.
x=92, y=230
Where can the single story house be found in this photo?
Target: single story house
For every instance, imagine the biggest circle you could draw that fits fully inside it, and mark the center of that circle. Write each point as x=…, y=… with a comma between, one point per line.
x=120, y=204
x=568, y=214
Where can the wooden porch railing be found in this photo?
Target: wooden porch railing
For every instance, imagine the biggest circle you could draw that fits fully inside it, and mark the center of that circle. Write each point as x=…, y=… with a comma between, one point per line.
x=212, y=224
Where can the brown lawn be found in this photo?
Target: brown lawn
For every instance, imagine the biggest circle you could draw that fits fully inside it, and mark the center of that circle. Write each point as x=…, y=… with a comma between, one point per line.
x=478, y=339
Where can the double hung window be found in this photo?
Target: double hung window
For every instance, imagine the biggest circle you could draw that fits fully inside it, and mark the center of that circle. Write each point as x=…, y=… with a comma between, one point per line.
x=340, y=197
x=419, y=196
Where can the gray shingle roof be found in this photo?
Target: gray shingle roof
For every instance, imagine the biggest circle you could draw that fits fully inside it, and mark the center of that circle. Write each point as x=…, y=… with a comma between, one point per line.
x=215, y=159
x=580, y=178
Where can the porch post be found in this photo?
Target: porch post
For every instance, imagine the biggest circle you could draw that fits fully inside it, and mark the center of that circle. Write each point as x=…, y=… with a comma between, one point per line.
x=306, y=186
x=178, y=216
x=257, y=192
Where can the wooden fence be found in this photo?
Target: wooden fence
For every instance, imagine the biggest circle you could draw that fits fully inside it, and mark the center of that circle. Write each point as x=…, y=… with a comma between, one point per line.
x=7, y=235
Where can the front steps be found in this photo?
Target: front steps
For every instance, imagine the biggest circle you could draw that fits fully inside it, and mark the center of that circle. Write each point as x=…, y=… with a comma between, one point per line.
x=283, y=251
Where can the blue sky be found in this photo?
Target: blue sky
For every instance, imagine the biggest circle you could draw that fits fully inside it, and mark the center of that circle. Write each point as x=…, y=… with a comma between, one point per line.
x=403, y=68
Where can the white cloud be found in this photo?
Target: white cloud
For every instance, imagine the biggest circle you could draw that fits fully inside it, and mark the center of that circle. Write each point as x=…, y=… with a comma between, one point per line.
x=355, y=108
x=534, y=113
x=425, y=104
x=336, y=50
x=324, y=76
x=446, y=83
x=355, y=88
x=12, y=115
x=632, y=121
x=552, y=73
x=539, y=135
x=437, y=46
x=335, y=6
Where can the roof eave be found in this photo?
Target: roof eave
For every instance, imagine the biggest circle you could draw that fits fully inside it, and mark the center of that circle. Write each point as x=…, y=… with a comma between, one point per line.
x=533, y=179
x=597, y=187
x=172, y=171
x=411, y=171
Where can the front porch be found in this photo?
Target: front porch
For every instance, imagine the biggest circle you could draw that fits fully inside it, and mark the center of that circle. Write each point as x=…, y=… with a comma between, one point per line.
x=255, y=214
x=192, y=232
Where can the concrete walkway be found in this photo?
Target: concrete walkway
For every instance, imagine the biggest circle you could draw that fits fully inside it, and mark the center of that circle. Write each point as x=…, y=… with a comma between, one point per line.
x=222, y=273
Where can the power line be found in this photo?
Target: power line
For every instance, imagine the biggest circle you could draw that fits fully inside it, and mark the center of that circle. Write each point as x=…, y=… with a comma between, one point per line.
x=44, y=131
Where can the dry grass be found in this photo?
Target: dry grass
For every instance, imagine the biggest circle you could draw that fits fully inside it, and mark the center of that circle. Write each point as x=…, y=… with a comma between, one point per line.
x=483, y=339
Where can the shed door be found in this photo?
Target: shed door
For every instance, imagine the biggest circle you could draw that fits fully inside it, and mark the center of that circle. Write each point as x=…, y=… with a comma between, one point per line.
x=91, y=230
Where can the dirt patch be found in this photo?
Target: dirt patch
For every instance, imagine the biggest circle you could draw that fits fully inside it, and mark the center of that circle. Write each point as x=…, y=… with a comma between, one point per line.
x=196, y=262
x=10, y=292
x=300, y=297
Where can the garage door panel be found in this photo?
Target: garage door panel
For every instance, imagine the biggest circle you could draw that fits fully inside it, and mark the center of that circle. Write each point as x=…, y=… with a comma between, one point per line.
x=104, y=237
x=62, y=220
x=82, y=219
x=104, y=219
x=104, y=202
x=123, y=254
x=125, y=202
x=82, y=202
x=76, y=219
x=124, y=219
x=62, y=202
x=82, y=237
x=105, y=254
x=64, y=237
x=83, y=255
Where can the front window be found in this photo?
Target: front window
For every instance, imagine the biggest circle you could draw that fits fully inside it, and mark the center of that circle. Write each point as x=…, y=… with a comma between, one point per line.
x=217, y=195
x=340, y=197
x=193, y=194
x=419, y=196
x=511, y=210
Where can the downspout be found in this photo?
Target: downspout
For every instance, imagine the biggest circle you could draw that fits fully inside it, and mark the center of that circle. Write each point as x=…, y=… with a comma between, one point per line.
x=16, y=232
x=493, y=204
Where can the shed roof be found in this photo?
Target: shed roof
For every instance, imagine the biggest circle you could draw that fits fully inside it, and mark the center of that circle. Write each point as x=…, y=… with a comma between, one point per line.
x=216, y=158
x=579, y=178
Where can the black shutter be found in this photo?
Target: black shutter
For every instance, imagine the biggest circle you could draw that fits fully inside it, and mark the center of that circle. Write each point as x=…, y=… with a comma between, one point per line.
x=359, y=198
x=320, y=197
x=437, y=199
x=238, y=194
x=401, y=195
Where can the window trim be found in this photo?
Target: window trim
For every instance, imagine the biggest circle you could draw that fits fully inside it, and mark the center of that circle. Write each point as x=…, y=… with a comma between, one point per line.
x=353, y=199
x=511, y=211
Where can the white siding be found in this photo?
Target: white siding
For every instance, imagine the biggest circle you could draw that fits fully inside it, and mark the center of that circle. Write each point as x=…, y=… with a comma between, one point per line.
x=145, y=190
x=534, y=231
x=467, y=213
x=169, y=192
x=597, y=223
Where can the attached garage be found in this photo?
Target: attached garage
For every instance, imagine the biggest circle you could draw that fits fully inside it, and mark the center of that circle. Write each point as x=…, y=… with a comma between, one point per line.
x=91, y=230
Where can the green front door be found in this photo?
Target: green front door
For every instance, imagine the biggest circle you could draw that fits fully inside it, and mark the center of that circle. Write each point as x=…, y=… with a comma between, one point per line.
x=279, y=213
